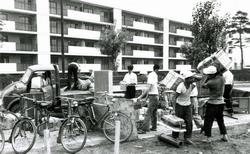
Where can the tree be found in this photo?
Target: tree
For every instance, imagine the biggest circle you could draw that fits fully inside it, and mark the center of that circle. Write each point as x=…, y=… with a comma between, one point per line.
x=239, y=25
x=111, y=43
x=208, y=29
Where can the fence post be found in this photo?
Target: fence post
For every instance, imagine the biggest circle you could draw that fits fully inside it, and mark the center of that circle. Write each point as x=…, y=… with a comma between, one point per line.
x=117, y=136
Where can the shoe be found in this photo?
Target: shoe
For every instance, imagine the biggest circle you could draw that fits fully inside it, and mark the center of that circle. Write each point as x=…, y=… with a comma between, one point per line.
x=207, y=140
x=141, y=132
x=153, y=129
x=188, y=141
x=224, y=138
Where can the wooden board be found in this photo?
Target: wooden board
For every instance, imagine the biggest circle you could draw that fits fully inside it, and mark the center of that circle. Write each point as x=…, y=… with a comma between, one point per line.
x=175, y=129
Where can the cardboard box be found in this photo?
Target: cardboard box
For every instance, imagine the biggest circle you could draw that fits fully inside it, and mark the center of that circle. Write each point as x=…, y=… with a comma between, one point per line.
x=219, y=59
x=172, y=80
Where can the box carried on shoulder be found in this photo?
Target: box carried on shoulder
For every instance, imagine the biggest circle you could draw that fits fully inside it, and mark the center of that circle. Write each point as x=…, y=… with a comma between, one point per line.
x=219, y=59
x=172, y=80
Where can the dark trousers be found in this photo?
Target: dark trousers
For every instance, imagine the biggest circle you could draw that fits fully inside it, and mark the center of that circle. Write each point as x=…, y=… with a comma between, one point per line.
x=228, y=97
x=130, y=92
x=72, y=71
x=151, y=113
x=184, y=112
x=214, y=112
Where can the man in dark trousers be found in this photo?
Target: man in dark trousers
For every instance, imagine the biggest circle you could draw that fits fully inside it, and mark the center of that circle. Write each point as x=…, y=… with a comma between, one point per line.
x=73, y=69
x=215, y=104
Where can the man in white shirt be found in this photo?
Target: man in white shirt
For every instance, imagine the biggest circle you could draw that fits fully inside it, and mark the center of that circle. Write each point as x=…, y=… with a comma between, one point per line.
x=153, y=96
x=182, y=105
x=229, y=78
x=130, y=79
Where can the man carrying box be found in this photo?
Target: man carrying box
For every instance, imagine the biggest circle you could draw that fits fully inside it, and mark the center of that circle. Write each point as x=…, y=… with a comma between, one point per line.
x=183, y=107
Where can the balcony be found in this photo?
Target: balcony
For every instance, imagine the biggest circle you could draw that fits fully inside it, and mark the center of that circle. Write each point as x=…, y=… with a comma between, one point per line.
x=84, y=34
x=143, y=40
x=13, y=47
x=145, y=67
x=180, y=55
x=84, y=51
x=8, y=25
x=13, y=26
x=7, y=5
x=143, y=54
x=8, y=46
x=87, y=67
x=83, y=16
x=8, y=67
x=180, y=43
x=143, y=26
x=184, y=33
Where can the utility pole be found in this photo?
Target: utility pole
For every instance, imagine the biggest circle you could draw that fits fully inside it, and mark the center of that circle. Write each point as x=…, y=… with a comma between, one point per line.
x=62, y=39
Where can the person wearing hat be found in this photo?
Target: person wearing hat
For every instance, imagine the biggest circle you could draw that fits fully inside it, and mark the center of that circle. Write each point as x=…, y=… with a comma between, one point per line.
x=130, y=79
x=182, y=105
x=215, y=104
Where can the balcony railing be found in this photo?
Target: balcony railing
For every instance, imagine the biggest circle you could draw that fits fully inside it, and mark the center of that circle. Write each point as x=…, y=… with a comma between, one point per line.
x=25, y=27
x=8, y=67
x=26, y=47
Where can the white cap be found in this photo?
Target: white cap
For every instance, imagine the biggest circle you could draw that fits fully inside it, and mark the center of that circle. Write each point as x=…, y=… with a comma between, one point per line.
x=210, y=70
x=187, y=74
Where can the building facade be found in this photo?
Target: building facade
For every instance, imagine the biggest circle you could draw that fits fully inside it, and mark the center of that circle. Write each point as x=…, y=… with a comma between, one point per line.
x=31, y=34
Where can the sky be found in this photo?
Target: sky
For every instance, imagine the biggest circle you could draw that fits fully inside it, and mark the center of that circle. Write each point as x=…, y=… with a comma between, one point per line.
x=180, y=10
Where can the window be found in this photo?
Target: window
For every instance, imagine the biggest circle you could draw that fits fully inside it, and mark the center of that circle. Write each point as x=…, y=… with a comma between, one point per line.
x=90, y=60
x=88, y=10
x=53, y=26
x=3, y=16
x=52, y=7
x=89, y=27
x=4, y=59
x=89, y=44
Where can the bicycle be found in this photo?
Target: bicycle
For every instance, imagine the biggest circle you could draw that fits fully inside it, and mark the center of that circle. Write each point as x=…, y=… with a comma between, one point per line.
x=73, y=132
x=108, y=118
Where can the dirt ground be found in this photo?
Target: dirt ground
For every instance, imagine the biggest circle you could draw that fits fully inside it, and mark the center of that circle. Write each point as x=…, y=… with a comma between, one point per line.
x=239, y=144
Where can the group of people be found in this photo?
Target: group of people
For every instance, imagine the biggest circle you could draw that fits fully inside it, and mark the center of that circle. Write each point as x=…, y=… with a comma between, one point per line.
x=185, y=101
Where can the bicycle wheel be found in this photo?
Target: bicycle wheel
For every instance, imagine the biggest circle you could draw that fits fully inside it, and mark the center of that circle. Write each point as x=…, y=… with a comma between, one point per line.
x=2, y=141
x=73, y=135
x=108, y=126
x=23, y=136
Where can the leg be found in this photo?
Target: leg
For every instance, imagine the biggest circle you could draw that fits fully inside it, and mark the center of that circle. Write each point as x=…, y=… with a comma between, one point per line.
x=220, y=119
x=151, y=107
x=228, y=98
x=155, y=99
x=178, y=113
x=188, y=120
x=209, y=119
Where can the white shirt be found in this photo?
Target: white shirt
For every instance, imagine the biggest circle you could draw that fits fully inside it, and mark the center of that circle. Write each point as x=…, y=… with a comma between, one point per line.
x=229, y=77
x=153, y=81
x=184, y=97
x=130, y=78
x=194, y=92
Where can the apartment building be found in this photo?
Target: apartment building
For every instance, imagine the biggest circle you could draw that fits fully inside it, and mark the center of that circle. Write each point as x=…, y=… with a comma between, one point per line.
x=31, y=34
